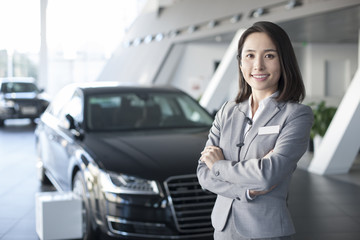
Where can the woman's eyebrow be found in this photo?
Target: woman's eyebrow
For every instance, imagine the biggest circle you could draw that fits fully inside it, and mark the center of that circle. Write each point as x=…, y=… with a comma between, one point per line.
x=266, y=50
x=249, y=50
x=270, y=50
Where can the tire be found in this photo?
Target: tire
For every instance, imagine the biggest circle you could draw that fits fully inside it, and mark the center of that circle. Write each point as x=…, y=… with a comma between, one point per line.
x=79, y=190
x=2, y=122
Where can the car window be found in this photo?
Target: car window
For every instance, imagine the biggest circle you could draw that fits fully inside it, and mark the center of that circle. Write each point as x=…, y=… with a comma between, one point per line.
x=60, y=100
x=18, y=87
x=127, y=111
x=72, y=107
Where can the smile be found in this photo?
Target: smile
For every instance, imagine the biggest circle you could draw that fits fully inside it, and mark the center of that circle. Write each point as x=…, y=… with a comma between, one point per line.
x=260, y=76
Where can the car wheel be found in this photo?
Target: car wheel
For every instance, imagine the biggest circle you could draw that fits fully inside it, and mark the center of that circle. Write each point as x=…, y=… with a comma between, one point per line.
x=2, y=122
x=79, y=190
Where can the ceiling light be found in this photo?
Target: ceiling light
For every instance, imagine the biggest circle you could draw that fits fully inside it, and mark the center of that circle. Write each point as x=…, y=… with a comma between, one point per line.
x=192, y=29
x=212, y=24
x=174, y=33
x=137, y=41
x=127, y=44
x=293, y=3
x=159, y=37
x=235, y=18
x=258, y=12
x=148, y=39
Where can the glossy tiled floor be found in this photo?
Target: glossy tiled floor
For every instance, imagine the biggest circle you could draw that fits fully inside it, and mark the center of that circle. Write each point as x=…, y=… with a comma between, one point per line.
x=323, y=208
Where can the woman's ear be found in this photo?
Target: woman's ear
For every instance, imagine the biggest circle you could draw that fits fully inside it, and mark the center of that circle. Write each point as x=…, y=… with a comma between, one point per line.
x=238, y=57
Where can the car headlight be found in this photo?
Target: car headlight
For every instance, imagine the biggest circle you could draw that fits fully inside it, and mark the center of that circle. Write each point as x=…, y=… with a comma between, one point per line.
x=9, y=103
x=124, y=184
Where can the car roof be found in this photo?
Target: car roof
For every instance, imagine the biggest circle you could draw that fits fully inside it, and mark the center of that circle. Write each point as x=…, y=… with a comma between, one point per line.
x=108, y=87
x=17, y=79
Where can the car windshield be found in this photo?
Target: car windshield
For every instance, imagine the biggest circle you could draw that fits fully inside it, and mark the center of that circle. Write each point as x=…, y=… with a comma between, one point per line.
x=18, y=87
x=130, y=111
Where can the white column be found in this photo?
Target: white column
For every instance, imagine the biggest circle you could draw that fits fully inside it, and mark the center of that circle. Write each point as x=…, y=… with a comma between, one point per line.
x=220, y=84
x=10, y=64
x=43, y=66
x=359, y=50
x=341, y=142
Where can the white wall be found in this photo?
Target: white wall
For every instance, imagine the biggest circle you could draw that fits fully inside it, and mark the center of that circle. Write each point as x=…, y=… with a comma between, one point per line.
x=62, y=72
x=196, y=67
x=327, y=70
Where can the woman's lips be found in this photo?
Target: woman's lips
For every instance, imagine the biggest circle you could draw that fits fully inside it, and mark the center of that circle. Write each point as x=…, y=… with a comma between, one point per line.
x=260, y=77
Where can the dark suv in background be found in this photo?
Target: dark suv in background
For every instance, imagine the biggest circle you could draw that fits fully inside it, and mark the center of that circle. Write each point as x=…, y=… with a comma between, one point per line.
x=21, y=98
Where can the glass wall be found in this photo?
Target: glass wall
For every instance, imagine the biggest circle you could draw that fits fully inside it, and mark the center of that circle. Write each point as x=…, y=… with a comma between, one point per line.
x=81, y=36
x=20, y=38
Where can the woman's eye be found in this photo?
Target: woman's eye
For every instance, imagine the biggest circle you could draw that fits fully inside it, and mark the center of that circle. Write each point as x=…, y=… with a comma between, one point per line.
x=271, y=56
x=250, y=55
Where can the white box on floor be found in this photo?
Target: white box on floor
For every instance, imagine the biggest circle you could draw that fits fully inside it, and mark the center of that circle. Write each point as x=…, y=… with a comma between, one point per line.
x=58, y=216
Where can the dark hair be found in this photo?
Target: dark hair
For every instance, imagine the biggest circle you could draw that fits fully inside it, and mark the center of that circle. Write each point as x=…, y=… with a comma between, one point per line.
x=290, y=86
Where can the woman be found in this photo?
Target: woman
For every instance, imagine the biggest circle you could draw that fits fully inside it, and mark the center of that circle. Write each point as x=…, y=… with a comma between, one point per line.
x=256, y=141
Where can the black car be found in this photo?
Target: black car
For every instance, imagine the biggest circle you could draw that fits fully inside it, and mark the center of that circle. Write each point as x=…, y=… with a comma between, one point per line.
x=131, y=152
x=21, y=98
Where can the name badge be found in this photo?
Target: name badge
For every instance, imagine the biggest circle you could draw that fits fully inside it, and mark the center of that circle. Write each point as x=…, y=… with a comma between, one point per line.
x=269, y=130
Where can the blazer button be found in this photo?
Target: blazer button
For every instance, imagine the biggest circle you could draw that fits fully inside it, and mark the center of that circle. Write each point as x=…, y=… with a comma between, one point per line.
x=217, y=173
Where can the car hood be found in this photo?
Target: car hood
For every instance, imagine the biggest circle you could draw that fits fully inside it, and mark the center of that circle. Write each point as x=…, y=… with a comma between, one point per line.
x=20, y=95
x=153, y=155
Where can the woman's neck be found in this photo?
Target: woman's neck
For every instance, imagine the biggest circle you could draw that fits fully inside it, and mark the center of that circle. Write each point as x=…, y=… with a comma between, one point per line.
x=257, y=97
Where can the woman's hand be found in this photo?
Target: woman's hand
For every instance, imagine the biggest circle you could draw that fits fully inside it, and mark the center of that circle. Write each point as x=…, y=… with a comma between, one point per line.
x=254, y=193
x=268, y=154
x=210, y=155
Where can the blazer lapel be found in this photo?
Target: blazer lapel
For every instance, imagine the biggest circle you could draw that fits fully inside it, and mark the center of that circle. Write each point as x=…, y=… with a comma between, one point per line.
x=238, y=125
x=271, y=109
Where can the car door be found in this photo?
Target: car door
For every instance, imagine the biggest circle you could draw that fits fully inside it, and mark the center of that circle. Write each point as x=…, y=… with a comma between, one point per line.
x=64, y=143
x=48, y=131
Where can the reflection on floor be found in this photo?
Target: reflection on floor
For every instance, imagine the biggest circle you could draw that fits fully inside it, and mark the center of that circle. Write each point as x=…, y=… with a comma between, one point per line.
x=323, y=208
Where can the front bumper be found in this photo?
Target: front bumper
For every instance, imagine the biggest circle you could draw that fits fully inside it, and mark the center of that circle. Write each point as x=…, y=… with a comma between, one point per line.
x=184, y=213
x=32, y=109
x=147, y=230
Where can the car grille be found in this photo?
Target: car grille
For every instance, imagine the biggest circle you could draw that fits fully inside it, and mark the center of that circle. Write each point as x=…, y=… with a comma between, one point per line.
x=27, y=102
x=191, y=205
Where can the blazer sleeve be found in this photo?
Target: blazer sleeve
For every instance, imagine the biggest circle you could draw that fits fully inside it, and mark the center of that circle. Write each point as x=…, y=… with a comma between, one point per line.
x=263, y=173
x=206, y=178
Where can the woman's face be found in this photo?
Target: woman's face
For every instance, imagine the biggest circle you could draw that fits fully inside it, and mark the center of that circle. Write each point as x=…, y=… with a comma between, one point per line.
x=260, y=64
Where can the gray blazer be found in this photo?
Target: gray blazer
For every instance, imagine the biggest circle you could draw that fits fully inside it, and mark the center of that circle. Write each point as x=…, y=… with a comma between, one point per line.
x=282, y=127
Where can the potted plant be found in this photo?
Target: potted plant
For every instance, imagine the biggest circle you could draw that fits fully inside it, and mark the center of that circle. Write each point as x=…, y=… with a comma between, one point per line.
x=322, y=118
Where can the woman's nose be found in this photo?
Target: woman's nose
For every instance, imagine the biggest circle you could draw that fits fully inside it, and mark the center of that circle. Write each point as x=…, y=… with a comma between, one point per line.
x=259, y=64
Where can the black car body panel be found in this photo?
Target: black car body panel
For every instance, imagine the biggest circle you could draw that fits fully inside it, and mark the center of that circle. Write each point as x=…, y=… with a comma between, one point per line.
x=140, y=181
x=129, y=152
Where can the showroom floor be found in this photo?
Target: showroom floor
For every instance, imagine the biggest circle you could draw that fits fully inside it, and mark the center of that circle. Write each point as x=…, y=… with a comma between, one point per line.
x=323, y=208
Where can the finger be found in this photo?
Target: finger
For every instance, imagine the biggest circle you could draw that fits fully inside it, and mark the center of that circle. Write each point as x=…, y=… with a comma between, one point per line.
x=205, y=152
x=203, y=158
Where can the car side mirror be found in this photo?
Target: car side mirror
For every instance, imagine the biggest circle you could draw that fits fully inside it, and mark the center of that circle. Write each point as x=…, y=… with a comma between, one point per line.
x=78, y=133
x=71, y=121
